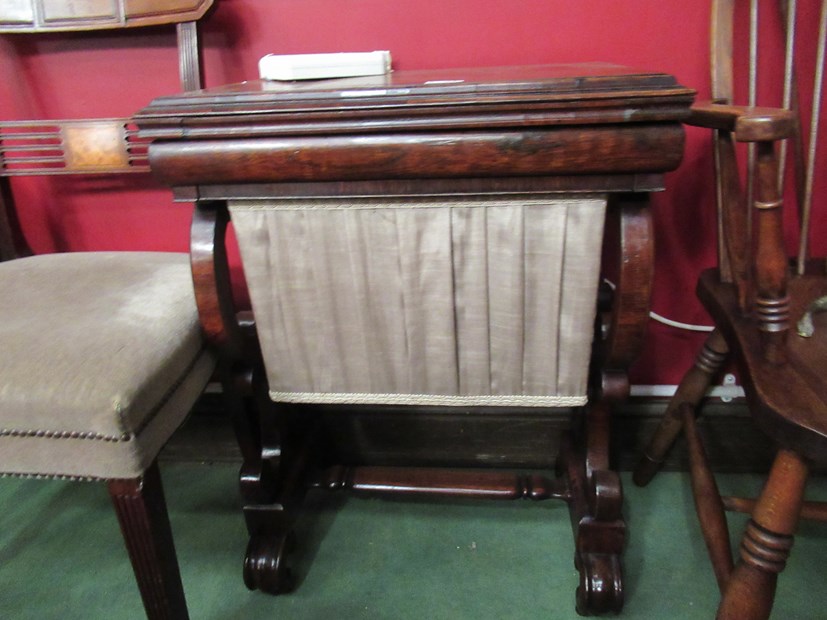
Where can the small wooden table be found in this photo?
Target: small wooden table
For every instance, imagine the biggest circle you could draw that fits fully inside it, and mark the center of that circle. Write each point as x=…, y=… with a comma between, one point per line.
x=508, y=134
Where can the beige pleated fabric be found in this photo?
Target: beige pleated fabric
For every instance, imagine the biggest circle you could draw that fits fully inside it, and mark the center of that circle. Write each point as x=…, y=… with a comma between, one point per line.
x=471, y=300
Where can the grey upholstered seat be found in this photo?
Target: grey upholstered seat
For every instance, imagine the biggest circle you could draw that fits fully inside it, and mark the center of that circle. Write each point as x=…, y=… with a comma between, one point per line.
x=101, y=354
x=102, y=358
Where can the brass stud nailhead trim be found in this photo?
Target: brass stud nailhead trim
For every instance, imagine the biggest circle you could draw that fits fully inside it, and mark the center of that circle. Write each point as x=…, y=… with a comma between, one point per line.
x=43, y=434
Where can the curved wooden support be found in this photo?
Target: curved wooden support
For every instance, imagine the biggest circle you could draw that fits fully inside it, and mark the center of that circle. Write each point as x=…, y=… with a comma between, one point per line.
x=691, y=390
x=595, y=507
x=767, y=541
x=629, y=223
x=605, y=495
x=211, y=279
x=259, y=436
x=267, y=485
x=276, y=491
x=240, y=368
x=596, y=491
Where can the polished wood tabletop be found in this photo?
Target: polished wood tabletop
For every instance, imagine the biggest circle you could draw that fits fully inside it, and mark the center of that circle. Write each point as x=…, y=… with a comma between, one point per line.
x=568, y=133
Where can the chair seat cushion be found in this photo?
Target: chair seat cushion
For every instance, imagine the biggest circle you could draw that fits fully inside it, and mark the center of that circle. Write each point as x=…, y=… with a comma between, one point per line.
x=102, y=358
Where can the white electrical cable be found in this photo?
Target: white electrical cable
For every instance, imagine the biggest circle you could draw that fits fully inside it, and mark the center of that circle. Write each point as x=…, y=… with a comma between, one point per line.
x=679, y=325
x=671, y=323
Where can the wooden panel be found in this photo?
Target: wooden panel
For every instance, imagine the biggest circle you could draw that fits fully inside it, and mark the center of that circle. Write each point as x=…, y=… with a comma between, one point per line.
x=632, y=149
x=53, y=15
x=436, y=100
x=80, y=11
x=70, y=147
x=148, y=12
x=95, y=145
x=16, y=13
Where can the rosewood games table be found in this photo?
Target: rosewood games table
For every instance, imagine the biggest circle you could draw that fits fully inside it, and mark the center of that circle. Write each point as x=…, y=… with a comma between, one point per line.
x=418, y=245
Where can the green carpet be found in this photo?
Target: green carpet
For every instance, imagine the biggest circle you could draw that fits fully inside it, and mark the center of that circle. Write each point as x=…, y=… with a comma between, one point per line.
x=61, y=555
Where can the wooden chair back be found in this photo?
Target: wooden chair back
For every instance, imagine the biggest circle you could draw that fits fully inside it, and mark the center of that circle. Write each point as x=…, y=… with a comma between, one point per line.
x=752, y=250
x=85, y=146
x=755, y=296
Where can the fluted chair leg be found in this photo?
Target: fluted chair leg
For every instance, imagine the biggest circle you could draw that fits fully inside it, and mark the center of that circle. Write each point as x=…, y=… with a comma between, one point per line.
x=691, y=390
x=767, y=541
x=142, y=513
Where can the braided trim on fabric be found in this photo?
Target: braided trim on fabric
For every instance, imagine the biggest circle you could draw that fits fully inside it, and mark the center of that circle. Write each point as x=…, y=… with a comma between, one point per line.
x=124, y=437
x=516, y=400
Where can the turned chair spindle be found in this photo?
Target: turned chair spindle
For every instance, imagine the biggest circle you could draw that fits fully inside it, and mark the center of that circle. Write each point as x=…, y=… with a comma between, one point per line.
x=765, y=301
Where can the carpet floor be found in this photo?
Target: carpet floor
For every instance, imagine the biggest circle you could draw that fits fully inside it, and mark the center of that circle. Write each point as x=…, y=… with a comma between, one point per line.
x=61, y=555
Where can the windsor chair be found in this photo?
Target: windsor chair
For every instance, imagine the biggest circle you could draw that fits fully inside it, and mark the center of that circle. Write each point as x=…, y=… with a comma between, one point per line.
x=766, y=307
x=102, y=352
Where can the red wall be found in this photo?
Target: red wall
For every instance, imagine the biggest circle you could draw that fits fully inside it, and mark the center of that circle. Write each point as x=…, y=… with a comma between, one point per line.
x=106, y=74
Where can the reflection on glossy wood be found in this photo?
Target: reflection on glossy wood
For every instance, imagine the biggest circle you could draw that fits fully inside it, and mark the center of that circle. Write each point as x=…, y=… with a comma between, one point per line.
x=520, y=131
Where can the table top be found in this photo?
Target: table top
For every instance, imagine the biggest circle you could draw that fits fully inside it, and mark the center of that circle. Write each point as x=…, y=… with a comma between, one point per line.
x=538, y=95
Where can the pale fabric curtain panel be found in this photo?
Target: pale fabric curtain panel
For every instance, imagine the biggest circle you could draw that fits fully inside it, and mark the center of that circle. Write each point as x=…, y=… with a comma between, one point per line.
x=431, y=301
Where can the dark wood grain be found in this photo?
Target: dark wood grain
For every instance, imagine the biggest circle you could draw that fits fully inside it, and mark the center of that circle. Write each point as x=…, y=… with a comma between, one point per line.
x=633, y=149
x=629, y=224
x=142, y=514
x=691, y=390
x=767, y=542
x=441, y=482
x=436, y=100
x=12, y=241
x=567, y=129
x=745, y=123
x=787, y=400
x=708, y=502
x=211, y=279
x=754, y=299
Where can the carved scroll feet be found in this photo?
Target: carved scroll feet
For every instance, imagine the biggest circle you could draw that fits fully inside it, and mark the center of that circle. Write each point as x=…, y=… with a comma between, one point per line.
x=601, y=583
x=600, y=537
x=265, y=565
x=599, y=532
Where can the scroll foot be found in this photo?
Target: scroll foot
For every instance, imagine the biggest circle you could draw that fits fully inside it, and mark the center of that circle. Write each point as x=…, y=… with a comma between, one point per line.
x=601, y=583
x=265, y=566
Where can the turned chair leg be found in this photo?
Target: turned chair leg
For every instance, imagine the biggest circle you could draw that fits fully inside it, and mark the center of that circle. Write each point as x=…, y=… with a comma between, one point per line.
x=142, y=513
x=767, y=542
x=708, y=503
x=691, y=390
